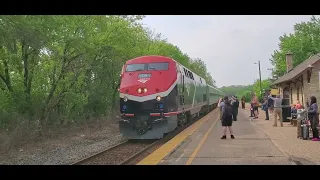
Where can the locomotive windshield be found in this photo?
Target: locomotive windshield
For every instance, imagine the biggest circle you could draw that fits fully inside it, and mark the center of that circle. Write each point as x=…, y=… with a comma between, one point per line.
x=148, y=66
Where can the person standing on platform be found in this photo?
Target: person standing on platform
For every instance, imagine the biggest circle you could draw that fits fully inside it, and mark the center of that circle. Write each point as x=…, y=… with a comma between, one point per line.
x=277, y=105
x=314, y=118
x=270, y=105
x=226, y=120
x=243, y=103
x=265, y=107
x=235, y=106
x=255, y=107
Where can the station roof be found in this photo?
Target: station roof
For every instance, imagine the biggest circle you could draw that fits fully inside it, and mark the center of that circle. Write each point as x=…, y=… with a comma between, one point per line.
x=298, y=69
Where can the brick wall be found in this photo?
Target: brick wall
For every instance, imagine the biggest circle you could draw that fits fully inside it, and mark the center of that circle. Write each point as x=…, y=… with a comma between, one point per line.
x=312, y=89
x=289, y=61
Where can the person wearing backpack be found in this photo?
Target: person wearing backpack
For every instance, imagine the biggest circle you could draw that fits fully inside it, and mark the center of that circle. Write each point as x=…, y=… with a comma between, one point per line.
x=270, y=105
x=226, y=121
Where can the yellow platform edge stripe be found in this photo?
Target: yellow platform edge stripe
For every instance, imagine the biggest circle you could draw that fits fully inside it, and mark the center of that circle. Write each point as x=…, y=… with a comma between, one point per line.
x=203, y=140
x=159, y=154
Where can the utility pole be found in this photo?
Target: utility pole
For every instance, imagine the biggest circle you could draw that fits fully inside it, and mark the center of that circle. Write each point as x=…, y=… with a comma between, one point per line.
x=260, y=80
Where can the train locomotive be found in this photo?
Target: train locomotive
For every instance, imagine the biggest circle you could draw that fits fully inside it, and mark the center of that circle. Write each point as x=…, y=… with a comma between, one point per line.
x=158, y=94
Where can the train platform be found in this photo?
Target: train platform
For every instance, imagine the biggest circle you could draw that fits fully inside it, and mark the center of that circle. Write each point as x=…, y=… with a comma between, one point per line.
x=200, y=144
x=303, y=152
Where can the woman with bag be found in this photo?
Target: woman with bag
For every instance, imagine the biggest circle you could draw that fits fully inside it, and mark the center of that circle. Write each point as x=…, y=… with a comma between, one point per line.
x=254, y=102
x=314, y=118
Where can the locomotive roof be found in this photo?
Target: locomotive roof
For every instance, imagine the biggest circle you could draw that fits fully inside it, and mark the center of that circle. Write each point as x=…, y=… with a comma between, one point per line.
x=161, y=57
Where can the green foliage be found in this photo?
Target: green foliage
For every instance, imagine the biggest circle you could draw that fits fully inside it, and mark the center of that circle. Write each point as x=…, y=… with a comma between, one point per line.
x=265, y=84
x=234, y=89
x=58, y=69
x=246, y=91
x=303, y=42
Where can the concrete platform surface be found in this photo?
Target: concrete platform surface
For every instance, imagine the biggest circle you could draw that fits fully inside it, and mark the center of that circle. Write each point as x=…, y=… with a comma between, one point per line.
x=251, y=146
x=302, y=152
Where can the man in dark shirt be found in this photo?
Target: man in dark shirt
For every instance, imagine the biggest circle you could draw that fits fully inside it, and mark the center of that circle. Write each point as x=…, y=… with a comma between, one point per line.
x=235, y=106
x=270, y=105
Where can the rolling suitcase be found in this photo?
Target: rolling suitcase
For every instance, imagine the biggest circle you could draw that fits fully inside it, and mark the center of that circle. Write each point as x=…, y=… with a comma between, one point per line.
x=299, y=129
x=305, y=131
x=301, y=119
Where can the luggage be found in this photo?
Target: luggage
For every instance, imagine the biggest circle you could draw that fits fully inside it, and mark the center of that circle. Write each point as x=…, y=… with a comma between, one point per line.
x=299, y=132
x=305, y=131
x=301, y=120
x=303, y=127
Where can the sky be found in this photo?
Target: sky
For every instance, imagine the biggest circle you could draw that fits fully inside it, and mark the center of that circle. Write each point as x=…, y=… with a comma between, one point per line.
x=229, y=45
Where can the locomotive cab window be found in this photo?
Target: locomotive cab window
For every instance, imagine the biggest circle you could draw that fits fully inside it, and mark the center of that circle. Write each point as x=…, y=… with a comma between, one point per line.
x=147, y=67
x=158, y=66
x=135, y=67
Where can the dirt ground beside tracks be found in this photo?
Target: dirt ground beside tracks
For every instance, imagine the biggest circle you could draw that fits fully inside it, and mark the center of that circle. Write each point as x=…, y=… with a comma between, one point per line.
x=64, y=147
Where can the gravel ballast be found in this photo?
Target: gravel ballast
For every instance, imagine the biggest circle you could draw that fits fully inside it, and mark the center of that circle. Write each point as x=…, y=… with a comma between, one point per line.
x=65, y=150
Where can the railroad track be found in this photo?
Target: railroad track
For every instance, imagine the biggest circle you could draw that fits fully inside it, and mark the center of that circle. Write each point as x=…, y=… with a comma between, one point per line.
x=117, y=154
x=129, y=152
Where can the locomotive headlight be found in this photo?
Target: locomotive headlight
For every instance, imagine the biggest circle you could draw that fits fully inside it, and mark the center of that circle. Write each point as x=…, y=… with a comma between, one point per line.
x=158, y=98
x=145, y=90
x=139, y=90
x=125, y=99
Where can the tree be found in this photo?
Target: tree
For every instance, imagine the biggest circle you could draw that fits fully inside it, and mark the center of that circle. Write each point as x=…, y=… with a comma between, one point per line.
x=60, y=70
x=265, y=84
x=303, y=42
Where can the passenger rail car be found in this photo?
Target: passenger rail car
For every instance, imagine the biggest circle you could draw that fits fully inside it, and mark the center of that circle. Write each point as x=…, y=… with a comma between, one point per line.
x=157, y=94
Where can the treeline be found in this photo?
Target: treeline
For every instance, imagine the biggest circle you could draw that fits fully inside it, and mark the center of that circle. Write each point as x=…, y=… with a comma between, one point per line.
x=254, y=88
x=247, y=91
x=233, y=89
x=59, y=70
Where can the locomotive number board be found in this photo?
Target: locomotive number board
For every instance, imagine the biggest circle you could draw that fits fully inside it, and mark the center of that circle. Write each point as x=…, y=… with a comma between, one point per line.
x=144, y=75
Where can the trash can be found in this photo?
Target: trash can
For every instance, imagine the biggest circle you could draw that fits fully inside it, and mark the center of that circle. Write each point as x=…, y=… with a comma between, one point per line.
x=286, y=110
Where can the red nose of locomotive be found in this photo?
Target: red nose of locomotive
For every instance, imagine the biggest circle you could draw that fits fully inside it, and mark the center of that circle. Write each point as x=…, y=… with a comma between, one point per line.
x=143, y=83
x=147, y=75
